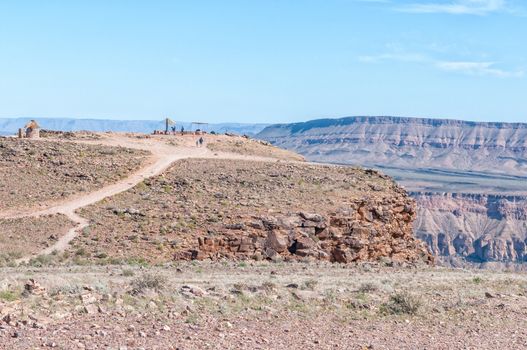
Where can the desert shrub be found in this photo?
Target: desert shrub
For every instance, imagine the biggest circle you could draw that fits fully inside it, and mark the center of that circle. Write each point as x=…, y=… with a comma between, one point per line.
x=368, y=287
x=136, y=261
x=268, y=286
x=8, y=295
x=101, y=255
x=240, y=286
x=402, y=303
x=310, y=284
x=128, y=273
x=86, y=231
x=148, y=281
x=66, y=289
x=330, y=296
x=80, y=252
x=41, y=260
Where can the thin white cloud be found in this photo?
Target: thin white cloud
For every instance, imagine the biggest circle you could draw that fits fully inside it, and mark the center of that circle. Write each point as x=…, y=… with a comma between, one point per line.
x=473, y=68
x=401, y=57
x=478, y=69
x=457, y=7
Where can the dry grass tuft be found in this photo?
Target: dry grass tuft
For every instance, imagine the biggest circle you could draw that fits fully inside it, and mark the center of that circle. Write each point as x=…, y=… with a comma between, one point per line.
x=402, y=304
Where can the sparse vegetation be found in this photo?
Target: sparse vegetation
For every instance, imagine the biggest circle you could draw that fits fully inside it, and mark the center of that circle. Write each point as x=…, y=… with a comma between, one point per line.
x=128, y=272
x=148, y=281
x=8, y=295
x=402, y=304
x=368, y=287
x=84, y=168
x=310, y=284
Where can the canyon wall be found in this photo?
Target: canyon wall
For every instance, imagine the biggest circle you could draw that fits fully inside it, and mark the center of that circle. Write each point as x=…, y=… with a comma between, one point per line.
x=477, y=227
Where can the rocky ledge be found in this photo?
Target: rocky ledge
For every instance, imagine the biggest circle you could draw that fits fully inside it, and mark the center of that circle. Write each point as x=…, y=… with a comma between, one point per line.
x=365, y=232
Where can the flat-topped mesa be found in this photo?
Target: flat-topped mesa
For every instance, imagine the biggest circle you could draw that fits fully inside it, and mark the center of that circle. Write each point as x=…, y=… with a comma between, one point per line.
x=407, y=143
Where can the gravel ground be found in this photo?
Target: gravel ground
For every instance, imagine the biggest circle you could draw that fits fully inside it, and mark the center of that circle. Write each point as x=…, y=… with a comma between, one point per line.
x=27, y=236
x=262, y=306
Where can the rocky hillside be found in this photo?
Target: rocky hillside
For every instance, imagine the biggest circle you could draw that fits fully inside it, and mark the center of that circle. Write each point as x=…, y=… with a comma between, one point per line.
x=27, y=236
x=408, y=142
x=469, y=179
x=215, y=209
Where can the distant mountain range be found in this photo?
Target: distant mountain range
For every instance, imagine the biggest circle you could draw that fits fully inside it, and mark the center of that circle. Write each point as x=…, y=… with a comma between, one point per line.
x=469, y=178
x=10, y=125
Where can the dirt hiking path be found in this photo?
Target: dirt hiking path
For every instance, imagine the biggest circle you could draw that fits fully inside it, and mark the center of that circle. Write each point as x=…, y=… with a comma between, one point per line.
x=163, y=156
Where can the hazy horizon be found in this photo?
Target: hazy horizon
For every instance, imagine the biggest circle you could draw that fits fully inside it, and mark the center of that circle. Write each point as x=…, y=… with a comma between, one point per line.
x=189, y=121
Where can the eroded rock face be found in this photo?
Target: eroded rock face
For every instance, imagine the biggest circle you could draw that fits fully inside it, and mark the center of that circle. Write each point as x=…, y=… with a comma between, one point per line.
x=365, y=231
x=478, y=228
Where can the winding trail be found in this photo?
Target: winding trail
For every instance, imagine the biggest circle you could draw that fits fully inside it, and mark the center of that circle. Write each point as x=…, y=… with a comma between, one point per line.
x=163, y=155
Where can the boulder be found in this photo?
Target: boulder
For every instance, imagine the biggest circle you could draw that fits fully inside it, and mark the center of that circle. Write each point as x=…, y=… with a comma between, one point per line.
x=277, y=241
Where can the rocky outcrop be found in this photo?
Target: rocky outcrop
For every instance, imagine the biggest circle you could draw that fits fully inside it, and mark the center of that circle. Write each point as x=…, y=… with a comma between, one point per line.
x=237, y=209
x=366, y=231
x=480, y=228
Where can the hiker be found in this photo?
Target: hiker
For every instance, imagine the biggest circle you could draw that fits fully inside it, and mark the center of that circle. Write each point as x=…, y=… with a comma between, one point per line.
x=182, y=130
x=201, y=141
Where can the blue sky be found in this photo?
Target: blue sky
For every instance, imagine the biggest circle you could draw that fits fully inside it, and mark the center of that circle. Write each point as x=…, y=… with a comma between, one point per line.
x=263, y=60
